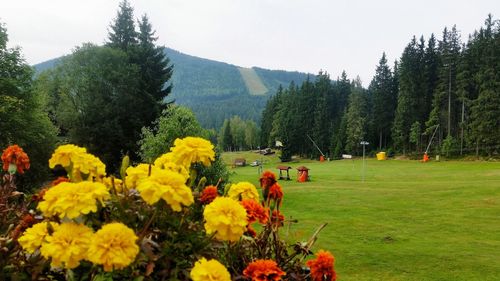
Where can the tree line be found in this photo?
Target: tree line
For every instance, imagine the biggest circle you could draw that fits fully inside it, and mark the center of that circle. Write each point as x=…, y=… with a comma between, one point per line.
x=443, y=88
x=237, y=134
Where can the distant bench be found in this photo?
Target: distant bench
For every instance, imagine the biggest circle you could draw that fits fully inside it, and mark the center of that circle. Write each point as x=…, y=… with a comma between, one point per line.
x=239, y=162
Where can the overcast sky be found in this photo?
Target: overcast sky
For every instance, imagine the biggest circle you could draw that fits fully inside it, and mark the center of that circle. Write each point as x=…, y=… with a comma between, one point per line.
x=302, y=35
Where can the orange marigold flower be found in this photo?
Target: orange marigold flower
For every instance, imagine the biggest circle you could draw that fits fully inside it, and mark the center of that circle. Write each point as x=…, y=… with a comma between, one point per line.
x=59, y=180
x=26, y=222
x=277, y=218
x=268, y=178
x=15, y=155
x=255, y=211
x=275, y=192
x=322, y=267
x=208, y=194
x=263, y=270
x=39, y=196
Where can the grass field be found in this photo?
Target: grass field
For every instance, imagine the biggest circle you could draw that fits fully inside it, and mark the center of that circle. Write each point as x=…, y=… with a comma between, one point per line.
x=407, y=221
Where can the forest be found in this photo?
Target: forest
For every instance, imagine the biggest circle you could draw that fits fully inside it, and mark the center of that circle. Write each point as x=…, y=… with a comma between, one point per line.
x=443, y=87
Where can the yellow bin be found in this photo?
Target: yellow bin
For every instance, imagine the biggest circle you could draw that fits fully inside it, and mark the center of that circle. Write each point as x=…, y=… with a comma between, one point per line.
x=381, y=156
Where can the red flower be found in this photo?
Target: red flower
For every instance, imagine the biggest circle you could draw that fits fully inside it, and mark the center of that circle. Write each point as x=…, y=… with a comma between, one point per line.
x=59, y=180
x=322, y=267
x=268, y=178
x=275, y=192
x=15, y=155
x=277, y=218
x=208, y=194
x=263, y=270
x=255, y=211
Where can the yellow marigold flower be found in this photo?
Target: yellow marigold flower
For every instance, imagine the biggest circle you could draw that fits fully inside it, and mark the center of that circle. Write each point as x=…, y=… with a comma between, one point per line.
x=73, y=199
x=68, y=245
x=77, y=158
x=109, y=181
x=114, y=246
x=243, y=190
x=136, y=174
x=167, y=185
x=164, y=158
x=166, y=162
x=64, y=154
x=191, y=150
x=88, y=164
x=211, y=270
x=226, y=217
x=35, y=236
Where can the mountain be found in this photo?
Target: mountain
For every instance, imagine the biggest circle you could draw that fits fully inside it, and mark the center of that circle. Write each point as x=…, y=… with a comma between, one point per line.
x=216, y=90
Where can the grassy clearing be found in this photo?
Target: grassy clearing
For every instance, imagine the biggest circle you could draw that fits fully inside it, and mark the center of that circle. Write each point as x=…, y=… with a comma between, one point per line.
x=407, y=221
x=253, y=82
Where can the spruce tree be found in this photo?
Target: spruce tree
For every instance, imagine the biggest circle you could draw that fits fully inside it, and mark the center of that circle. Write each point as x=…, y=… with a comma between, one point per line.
x=356, y=126
x=227, y=137
x=123, y=34
x=267, y=119
x=322, y=122
x=340, y=137
x=406, y=113
x=485, y=111
x=445, y=105
x=384, y=101
x=155, y=66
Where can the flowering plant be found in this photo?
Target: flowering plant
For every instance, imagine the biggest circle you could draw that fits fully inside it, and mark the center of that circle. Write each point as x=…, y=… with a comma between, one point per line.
x=157, y=222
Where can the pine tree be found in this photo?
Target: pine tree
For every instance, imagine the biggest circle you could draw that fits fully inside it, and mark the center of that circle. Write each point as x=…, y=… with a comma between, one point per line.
x=406, y=113
x=302, y=121
x=342, y=99
x=384, y=101
x=356, y=118
x=485, y=111
x=155, y=66
x=431, y=64
x=445, y=105
x=227, y=137
x=268, y=116
x=122, y=34
x=340, y=137
x=322, y=122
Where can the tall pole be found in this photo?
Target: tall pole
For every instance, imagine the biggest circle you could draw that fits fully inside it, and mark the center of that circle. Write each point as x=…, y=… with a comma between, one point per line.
x=363, y=143
x=462, y=125
x=449, y=102
x=363, y=163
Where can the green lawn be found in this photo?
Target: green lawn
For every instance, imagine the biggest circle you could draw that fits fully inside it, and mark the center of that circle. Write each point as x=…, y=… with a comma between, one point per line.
x=407, y=221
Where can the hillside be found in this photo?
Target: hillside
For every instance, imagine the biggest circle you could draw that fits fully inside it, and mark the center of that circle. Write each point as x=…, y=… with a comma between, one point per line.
x=216, y=90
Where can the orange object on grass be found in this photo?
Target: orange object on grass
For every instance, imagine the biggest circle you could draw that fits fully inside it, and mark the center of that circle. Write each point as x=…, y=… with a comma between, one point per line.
x=302, y=174
x=303, y=177
x=426, y=157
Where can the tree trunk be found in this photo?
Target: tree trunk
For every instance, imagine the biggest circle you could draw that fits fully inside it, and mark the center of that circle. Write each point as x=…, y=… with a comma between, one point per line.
x=477, y=149
x=380, y=142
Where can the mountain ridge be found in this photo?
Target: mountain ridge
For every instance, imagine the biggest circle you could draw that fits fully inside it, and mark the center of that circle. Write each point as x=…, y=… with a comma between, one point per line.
x=217, y=90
